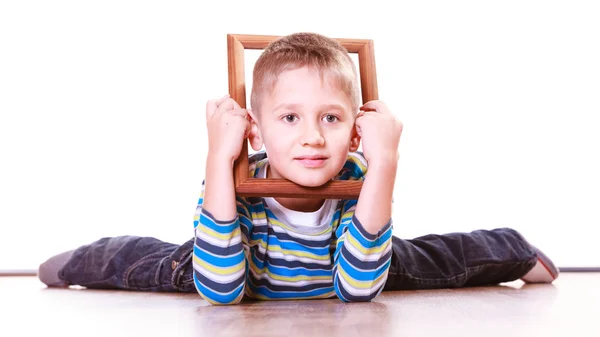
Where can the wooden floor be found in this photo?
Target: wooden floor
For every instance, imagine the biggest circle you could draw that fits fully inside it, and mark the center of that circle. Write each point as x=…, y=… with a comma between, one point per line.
x=569, y=307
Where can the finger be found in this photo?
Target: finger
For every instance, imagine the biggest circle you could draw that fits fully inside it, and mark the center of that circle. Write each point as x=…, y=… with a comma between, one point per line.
x=360, y=117
x=358, y=130
x=229, y=100
x=248, y=128
x=235, y=104
x=227, y=104
x=211, y=105
x=377, y=106
x=222, y=99
x=239, y=112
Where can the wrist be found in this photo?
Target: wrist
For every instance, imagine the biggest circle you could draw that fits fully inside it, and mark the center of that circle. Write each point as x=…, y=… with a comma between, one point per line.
x=215, y=159
x=383, y=164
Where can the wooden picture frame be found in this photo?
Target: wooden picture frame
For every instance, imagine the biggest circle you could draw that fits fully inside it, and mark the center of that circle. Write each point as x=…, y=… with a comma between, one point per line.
x=255, y=187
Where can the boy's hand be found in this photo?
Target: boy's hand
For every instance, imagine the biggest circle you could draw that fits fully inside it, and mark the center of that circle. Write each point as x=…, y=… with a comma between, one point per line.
x=380, y=131
x=228, y=126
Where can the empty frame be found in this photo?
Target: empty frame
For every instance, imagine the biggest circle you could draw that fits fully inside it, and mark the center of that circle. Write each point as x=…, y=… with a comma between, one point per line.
x=246, y=186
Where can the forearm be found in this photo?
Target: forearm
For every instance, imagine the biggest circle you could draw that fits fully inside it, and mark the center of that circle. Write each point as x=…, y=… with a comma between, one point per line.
x=218, y=257
x=362, y=262
x=219, y=260
x=374, y=207
x=219, y=190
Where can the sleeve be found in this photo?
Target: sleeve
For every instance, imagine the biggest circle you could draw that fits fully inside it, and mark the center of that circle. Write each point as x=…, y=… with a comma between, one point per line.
x=361, y=259
x=219, y=258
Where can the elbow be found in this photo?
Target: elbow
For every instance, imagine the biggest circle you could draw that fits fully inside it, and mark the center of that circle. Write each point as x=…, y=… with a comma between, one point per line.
x=222, y=300
x=347, y=297
x=347, y=293
x=218, y=302
x=219, y=294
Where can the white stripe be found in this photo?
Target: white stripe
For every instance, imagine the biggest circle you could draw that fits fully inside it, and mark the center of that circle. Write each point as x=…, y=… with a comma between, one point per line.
x=211, y=254
x=359, y=291
x=218, y=278
x=216, y=242
x=366, y=258
x=322, y=237
x=280, y=255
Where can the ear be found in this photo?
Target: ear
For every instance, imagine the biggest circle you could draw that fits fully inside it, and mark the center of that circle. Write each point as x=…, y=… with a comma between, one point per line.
x=354, y=139
x=254, y=136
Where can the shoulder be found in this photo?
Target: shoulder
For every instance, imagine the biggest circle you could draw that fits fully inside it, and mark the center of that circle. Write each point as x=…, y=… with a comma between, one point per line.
x=256, y=161
x=355, y=167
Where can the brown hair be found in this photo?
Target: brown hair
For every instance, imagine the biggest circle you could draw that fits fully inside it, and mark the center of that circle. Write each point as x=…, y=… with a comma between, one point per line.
x=299, y=50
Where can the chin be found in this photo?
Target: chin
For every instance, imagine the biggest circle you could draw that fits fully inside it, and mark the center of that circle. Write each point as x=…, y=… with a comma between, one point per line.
x=309, y=182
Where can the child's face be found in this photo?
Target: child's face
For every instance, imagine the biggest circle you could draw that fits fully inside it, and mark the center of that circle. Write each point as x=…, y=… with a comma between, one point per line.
x=307, y=127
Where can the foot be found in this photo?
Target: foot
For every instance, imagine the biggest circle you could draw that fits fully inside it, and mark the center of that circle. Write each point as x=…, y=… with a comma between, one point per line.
x=48, y=271
x=544, y=270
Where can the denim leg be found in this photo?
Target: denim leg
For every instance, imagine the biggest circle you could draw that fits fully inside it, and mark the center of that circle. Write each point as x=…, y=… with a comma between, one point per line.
x=482, y=257
x=131, y=263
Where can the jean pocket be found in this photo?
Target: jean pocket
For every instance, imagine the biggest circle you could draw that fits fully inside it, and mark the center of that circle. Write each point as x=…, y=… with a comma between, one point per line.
x=145, y=274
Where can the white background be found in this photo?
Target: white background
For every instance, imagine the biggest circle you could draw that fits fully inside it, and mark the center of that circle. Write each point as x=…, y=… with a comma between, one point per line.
x=102, y=128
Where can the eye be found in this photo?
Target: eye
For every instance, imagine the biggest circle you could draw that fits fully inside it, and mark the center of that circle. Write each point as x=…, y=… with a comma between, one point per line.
x=290, y=118
x=331, y=118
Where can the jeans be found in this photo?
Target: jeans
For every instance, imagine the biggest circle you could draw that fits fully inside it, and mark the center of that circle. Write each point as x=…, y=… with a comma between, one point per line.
x=482, y=257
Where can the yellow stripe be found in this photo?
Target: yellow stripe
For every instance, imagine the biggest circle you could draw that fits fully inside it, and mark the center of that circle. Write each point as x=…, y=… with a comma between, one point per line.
x=259, y=215
x=348, y=215
x=218, y=270
x=358, y=162
x=367, y=251
x=235, y=300
x=265, y=270
x=217, y=235
x=276, y=248
x=359, y=284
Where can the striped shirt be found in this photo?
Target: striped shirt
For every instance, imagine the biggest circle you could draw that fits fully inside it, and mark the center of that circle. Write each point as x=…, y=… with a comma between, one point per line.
x=262, y=257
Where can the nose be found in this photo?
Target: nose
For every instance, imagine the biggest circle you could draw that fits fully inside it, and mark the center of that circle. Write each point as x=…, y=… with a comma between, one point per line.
x=312, y=135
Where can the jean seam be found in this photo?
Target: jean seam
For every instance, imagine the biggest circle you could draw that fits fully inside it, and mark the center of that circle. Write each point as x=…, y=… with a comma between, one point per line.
x=133, y=266
x=185, y=258
x=466, y=272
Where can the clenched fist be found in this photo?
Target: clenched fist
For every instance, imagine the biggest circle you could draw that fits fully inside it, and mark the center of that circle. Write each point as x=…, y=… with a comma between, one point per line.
x=228, y=126
x=380, y=131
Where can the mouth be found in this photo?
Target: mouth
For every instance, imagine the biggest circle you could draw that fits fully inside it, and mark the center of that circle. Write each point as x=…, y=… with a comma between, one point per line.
x=311, y=161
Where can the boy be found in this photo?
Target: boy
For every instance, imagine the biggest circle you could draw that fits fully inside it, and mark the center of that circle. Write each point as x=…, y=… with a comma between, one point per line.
x=306, y=113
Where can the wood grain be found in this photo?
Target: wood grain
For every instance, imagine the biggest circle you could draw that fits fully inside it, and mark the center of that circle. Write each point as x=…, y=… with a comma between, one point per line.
x=568, y=307
x=249, y=187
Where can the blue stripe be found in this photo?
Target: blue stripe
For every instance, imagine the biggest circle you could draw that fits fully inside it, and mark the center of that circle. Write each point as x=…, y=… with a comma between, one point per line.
x=365, y=265
x=287, y=268
x=216, y=297
x=367, y=239
x=262, y=290
x=220, y=260
x=204, y=214
x=291, y=245
x=261, y=284
x=245, y=221
x=365, y=274
x=349, y=204
x=304, y=242
x=216, y=250
x=260, y=260
x=347, y=297
x=221, y=288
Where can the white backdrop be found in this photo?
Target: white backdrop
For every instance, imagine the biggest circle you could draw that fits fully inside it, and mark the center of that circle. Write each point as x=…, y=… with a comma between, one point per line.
x=102, y=128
